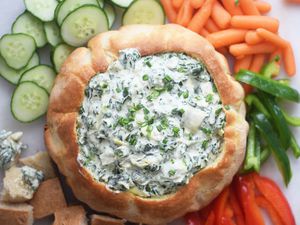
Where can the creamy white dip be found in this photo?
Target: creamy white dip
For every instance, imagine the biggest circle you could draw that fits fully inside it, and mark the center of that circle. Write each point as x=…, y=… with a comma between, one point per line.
x=148, y=124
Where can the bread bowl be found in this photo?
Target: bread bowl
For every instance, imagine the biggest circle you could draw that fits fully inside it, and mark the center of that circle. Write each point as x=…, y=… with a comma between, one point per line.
x=192, y=185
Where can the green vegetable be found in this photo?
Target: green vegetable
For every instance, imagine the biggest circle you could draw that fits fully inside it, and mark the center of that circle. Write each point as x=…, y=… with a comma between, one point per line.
x=252, y=160
x=291, y=120
x=295, y=147
x=268, y=85
x=269, y=135
x=270, y=69
x=252, y=99
x=278, y=119
x=264, y=155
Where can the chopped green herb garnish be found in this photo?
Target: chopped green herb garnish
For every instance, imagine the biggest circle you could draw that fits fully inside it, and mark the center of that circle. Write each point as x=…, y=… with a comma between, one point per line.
x=149, y=130
x=218, y=111
x=118, y=90
x=132, y=139
x=185, y=94
x=164, y=123
x=148, y=64
x=177, y=112
x=175, y=131
x=146, y=111
x=145, y=77
x=227, y=107
x=159, y=128
x=123, y=121
x=209, y=98
x=205, y=143
x=236, y=2
x=125, y=92
x=165, y=141
x=206, y=130
x=153, y=95
x=172, y=173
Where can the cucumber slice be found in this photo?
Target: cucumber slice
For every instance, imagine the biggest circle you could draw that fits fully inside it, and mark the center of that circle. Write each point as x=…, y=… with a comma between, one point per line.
x=17, y=49
x=42, y=75
x=26, y=23
x=70, y=5
x=110, y=12
x=122, y=3
x=101, y=3
x=52, y=33
x=144, y=12
x=60, y=54
x=82, y=24
x=42, y=9
x=29, y=102
x=13, y=76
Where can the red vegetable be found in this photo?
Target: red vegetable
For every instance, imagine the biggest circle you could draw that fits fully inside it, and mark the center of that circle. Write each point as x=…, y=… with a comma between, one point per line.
x=272, y=193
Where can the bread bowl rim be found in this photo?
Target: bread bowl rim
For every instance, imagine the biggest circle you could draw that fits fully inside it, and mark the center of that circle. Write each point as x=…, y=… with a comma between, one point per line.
x=66, y=98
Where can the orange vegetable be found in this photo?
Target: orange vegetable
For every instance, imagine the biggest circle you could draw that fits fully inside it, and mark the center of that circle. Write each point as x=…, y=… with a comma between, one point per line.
x=185, y=13
x=169, y=10
x=263, y=203
x=201, y=16
x=252, y=38
x=204, y=32
x=231, y=7
x=211, y=26
x=276, y=54
x=245, y=49
x=243, y=63
x=257, y=62
x=289, y=61
x=220, y=15
x=223, y=50
x=177, y=3
x=272, y=38
x=263, y=7
x=293, y=1
x=254, y=22
x=196, y=4
x=226, y=37
x=248, y=7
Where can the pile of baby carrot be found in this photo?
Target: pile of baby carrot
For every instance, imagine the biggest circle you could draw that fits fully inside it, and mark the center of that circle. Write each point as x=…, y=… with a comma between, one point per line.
x=238, y=27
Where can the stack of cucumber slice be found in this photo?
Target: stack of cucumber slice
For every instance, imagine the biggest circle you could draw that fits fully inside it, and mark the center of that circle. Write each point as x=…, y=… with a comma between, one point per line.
x=64, y=25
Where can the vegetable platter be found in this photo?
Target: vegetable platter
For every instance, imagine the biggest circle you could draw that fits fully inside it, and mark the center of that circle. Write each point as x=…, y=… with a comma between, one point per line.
x=287, y=14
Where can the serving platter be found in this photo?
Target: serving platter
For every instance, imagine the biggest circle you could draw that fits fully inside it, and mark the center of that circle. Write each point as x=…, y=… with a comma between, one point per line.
x=289, y=17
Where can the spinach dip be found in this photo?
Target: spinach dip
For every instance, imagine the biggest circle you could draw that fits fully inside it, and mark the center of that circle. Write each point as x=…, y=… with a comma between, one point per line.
x=148, y=124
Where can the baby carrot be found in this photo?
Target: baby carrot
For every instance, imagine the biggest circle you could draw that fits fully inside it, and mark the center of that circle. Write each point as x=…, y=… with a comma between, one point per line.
x=245, y=49
x=196, y=4
x=289, y=61
x=204, y=32
x=263, y=7
x=243, y=63
x=248, y=7
x=254, y=22
x=232, y=7
x=226, y=37
x=257, y=62
x=276, y=55
x=169, y=10
x=272, y=38
x=220, y=15
x=199, y=19
x=252, y=38
x=177, y=3
x=185, y=13
x=211, y=26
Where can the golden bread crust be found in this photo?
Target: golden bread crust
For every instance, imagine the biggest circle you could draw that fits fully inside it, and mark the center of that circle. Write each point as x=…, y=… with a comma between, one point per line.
x=68, y=93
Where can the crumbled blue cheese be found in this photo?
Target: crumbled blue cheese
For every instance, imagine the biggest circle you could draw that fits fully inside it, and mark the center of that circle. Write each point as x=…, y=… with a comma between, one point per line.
x=10, y=147
x=148, y=124
x=32, y=178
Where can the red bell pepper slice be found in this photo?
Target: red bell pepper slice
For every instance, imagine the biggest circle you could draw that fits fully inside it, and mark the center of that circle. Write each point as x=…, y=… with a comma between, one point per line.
x=210, y=219
x=273, y=194
x=247, y=197
x=220, y=205
x=263, y=203
x=237, y=210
